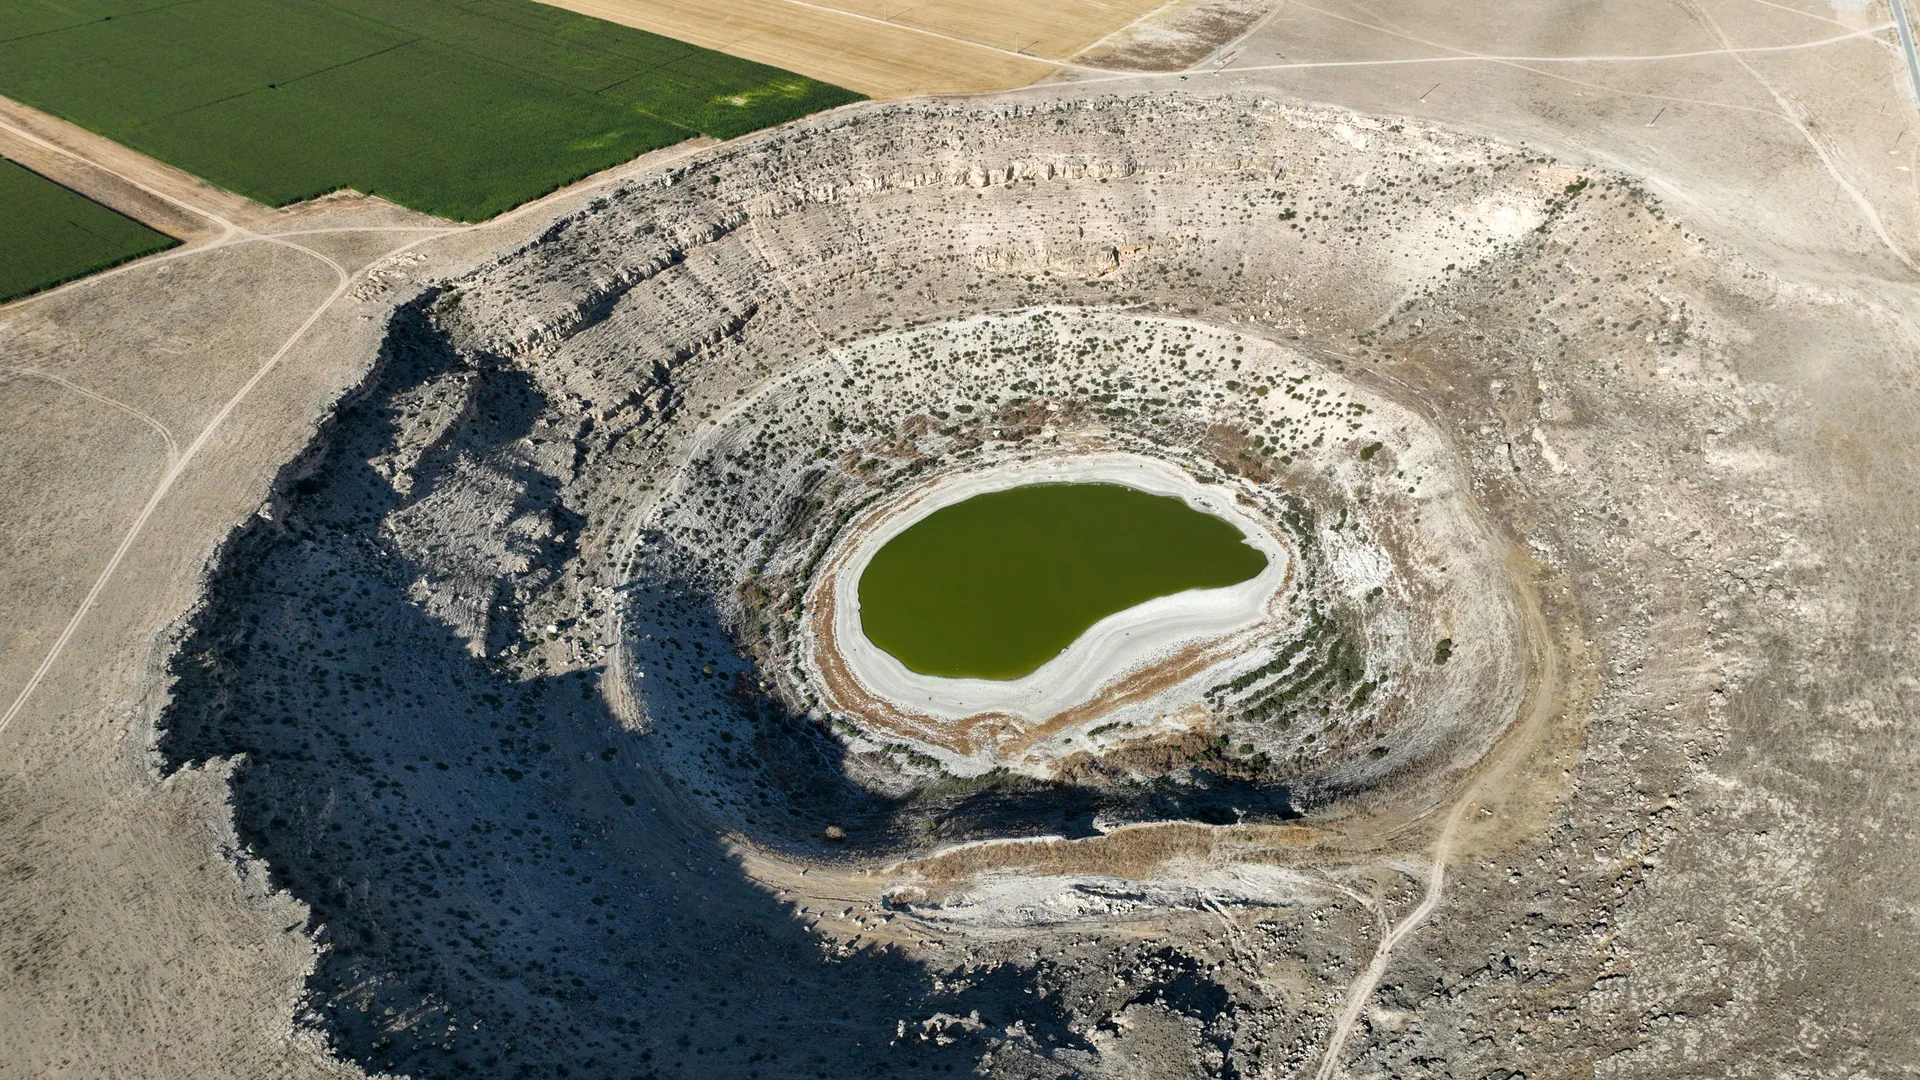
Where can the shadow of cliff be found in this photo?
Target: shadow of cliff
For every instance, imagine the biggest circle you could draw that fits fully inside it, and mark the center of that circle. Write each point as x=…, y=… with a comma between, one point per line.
x=750, y=759
x=504, y=880
x=497, y=873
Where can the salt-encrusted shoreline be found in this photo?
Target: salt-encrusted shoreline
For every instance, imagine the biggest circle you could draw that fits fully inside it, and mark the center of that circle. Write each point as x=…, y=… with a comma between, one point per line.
x=1117, y=645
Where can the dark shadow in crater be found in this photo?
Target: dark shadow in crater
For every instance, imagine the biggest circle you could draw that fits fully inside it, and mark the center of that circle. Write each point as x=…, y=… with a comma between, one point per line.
x=505, y=881
x=501, y=880
x=1206, y=797
x=1017, y=806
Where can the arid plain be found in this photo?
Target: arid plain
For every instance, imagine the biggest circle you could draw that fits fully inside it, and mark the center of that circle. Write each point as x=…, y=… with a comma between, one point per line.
x=1628, y=292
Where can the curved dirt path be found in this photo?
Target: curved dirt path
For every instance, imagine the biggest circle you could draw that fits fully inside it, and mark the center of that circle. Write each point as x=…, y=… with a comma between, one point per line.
x=167, y=481
x=1543, y=705
x=173, y=445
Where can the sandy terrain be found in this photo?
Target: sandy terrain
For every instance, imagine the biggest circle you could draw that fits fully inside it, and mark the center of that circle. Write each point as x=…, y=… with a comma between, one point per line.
x=162, y=395
x=1682, y=393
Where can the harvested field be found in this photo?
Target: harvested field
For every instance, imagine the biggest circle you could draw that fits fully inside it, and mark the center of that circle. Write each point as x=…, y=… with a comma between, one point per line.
x=1050, y=28
x=51, y=235
x=460, y=108
x=889, y=49
x=866, y=55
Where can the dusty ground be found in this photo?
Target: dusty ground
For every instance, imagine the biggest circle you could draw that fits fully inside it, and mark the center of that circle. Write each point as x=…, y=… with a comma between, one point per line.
x=1686, y=404
x=148, y=401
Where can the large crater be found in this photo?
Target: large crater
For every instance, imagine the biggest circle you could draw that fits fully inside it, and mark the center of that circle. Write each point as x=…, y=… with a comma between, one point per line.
x=549, y=686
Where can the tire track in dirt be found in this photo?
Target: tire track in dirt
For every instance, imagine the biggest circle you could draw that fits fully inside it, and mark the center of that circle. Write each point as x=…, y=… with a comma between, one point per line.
x=1543, y=705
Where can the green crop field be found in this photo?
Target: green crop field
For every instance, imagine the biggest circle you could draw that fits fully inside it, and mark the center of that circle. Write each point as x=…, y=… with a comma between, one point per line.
x=462, y=108
x=49, y=234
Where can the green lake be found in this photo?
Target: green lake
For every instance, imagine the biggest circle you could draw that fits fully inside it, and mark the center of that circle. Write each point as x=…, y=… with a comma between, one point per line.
x=997, y=585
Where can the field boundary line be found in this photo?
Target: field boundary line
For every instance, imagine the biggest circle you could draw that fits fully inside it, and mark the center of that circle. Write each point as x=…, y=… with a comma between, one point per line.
x=1068, y=64
x=200, y=211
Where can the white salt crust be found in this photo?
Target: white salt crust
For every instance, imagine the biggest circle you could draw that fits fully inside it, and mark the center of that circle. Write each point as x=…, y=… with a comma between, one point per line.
x=1111, y=648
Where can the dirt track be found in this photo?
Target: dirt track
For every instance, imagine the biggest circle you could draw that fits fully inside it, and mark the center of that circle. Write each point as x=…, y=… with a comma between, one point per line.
x=1519, y=748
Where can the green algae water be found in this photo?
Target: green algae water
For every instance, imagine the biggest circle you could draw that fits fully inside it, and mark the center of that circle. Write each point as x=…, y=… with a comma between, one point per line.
x=997, y=585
